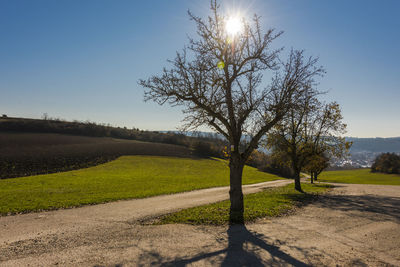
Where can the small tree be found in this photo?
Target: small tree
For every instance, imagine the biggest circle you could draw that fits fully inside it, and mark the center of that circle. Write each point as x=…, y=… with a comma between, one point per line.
x=218, y=79
x=309, y=131
x=315, y=165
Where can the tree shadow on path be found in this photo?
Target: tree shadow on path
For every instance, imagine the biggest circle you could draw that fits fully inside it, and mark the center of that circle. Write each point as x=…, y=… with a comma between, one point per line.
x=374, y=207
x=238, y=255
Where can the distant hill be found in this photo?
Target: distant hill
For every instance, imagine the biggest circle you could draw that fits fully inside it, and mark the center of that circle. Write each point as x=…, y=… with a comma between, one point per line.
x=50, y=125
x=376, y=145
x=92, y=129
x=364, y=151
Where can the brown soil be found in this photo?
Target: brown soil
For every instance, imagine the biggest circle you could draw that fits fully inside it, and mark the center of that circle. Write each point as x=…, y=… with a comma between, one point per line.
x=354, y=225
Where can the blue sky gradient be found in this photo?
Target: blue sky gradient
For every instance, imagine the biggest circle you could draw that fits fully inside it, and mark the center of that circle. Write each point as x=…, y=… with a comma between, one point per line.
x=82, y=59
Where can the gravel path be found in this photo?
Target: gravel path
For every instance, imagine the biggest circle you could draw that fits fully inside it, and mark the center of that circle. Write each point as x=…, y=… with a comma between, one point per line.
x=354, y=225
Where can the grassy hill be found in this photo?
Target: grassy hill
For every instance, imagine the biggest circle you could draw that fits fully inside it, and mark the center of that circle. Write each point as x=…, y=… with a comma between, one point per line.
x=124, y=178
x=359, y=176
x=34, y=146
x=23, y=154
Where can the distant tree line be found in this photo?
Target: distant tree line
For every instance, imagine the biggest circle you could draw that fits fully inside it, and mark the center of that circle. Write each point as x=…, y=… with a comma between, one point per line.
x=387, y=163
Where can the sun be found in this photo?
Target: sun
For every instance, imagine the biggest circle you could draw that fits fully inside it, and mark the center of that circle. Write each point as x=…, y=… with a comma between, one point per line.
x=233, y=26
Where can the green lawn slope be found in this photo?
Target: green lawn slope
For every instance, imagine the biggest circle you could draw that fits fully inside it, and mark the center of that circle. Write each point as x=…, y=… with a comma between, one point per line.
x=124, y=178
x=359, y=176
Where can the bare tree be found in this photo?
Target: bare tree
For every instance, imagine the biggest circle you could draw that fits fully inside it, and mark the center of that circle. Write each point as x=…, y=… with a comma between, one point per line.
x=218, y=79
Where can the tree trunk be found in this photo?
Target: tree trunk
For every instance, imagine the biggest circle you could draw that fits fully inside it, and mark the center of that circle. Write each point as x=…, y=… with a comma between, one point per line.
x=312, y=177
x=297, y=184
x=235, y=192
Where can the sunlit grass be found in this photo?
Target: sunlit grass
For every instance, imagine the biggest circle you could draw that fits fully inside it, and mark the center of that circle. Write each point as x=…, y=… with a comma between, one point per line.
x=268, y=203
x=359, y=176
x=125, y=178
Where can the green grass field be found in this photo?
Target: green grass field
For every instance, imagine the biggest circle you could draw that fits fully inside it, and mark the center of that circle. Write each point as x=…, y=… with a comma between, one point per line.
x=359, y=176
x=125, y=178
x=271, y=202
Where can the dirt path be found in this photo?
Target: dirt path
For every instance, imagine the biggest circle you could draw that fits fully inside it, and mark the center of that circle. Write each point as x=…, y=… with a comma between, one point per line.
x=354, y=225
x=27, y=226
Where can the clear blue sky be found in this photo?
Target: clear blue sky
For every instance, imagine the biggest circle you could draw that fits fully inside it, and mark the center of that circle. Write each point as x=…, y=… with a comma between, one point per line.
x=82, y=59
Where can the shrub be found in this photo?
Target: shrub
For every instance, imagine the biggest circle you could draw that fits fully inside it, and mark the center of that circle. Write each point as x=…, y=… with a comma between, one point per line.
x=207, y=149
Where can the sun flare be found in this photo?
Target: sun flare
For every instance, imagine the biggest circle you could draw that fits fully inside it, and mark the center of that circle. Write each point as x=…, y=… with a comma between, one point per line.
x=233, y=26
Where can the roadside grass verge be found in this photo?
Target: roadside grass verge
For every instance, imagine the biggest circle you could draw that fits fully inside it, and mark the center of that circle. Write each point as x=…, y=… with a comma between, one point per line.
x=268, y=203
x=125, y=178
x=359, y=176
